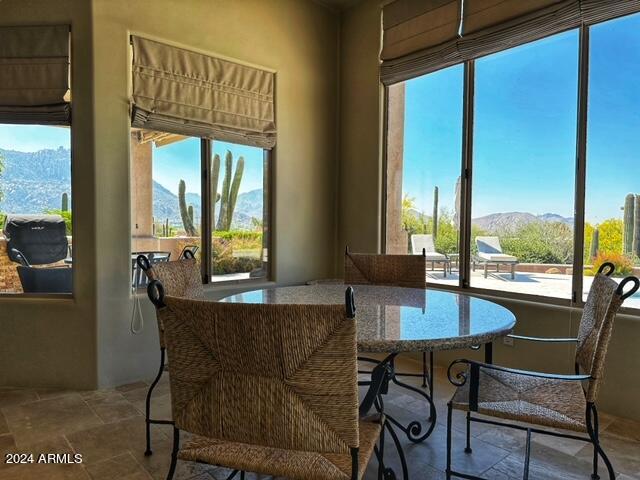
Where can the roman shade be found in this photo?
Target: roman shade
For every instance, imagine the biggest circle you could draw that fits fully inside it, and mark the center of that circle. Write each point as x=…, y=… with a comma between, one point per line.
x=410, y=45
x=188, y=93
x=34, y=75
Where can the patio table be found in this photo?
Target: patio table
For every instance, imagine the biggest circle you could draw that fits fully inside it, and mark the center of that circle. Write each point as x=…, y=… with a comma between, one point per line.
x=393, y=320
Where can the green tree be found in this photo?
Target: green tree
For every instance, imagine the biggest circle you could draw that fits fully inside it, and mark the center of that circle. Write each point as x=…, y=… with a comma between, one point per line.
x=611, y=235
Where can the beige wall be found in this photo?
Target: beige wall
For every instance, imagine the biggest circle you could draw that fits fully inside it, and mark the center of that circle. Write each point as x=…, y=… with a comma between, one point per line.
x=53, y=342
x=360, y=171
x=297, y=39
x=86, y=341
x=360, y=216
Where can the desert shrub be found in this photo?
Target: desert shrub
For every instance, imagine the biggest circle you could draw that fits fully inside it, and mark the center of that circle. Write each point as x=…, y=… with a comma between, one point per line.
x=224, y=262
x=3, y=219
x=66, y=216
x=623, y=264
x=237, y=234
x=541, y=242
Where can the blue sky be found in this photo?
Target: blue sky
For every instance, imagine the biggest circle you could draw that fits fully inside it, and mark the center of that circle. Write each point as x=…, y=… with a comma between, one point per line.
x=181, y=160
x=31, y=138
x=525, y=127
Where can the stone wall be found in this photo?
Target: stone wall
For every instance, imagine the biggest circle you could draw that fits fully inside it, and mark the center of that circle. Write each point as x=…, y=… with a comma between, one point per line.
x=9, y=280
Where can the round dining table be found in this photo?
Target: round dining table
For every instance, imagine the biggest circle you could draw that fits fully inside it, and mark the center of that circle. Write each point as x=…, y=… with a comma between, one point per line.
x=393, y=320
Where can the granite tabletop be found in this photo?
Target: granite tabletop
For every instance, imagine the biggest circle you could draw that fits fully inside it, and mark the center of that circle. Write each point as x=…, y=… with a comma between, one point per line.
x=396, y=319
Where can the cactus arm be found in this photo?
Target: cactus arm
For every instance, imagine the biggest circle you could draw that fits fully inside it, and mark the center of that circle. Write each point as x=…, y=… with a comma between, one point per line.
x=233, y=194
x=215, y=175
x=184, y=212
x=222, y=217
x=65, y=202
x=628, y=229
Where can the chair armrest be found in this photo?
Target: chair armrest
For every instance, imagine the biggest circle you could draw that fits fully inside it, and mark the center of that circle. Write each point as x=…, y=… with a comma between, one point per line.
x=379, y=377
x=542, y=339
x=473, y=375
x=461, y=378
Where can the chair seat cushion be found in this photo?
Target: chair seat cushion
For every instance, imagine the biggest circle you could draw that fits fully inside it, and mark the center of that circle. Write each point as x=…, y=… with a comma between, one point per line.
x=541, y=401
x=436, y=257
x=284, y=463
x=497, y=257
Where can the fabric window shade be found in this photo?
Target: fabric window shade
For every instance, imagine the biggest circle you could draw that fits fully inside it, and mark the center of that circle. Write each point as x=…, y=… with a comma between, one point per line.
x=411, y=25
x=189, y=93
x=34, y=74
x=489, y=26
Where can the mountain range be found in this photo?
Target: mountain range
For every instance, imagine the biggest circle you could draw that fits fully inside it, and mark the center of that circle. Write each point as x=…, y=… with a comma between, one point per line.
x=33, y=182
x=510, y=222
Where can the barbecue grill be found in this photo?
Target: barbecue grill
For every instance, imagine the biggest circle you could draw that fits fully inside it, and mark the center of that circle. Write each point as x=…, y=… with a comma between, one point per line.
x=39, y=240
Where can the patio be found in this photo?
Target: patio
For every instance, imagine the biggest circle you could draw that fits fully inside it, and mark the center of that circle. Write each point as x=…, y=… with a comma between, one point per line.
x=555, y=285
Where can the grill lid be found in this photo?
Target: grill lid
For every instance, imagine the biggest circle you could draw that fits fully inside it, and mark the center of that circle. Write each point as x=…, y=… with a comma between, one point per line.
x=41, y=239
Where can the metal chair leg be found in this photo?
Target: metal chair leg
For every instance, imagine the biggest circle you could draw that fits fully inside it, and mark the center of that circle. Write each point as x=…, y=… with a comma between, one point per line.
x=148, y=402
x=449, y=415
x=592, y=430
x=174, y=453
x=424, y=369
x=468, y=447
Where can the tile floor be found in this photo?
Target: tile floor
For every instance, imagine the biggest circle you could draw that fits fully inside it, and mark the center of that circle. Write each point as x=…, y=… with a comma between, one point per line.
x=107, y=428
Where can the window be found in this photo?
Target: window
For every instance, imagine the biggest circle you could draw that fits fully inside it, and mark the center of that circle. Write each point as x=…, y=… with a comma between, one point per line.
x=524, y=148
x=239, y=241
x=169, y=212
x=35, y=187
x=612, y=196
x=528, y=219
x=428, y=152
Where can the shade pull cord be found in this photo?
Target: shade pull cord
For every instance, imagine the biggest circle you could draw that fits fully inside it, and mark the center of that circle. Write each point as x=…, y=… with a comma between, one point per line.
x=136, y=315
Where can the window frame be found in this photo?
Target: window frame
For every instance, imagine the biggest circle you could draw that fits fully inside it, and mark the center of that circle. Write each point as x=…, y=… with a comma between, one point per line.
x=466, y=169
x=206, y=229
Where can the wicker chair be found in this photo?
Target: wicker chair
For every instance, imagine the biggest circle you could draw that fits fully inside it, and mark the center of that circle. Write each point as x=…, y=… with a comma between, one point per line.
x=407, y=271
x=180, y=279
x=564, y=402
x=270, y=389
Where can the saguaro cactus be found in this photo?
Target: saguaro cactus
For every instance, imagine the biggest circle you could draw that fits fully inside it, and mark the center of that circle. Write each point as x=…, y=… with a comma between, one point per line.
x=435, y=213
x=229, y=193
x=215, y=175
x=190, y=210
x=595, y=244
x=233, y=193
x=65, y=202
x=627, y=232
x=189, y=229
x=224, y=194
x=635, y=247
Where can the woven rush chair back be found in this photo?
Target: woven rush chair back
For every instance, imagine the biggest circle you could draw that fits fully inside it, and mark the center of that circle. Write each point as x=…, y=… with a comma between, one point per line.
x=181, y=278
x=390, y=270
x=596, y=325
x=281, y=376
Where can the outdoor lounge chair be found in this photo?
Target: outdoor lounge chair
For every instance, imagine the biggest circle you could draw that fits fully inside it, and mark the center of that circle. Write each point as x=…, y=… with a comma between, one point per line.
x=565, y=402
x=490, y=252
x=270, y=389
x=420, y=242
x=180, y=279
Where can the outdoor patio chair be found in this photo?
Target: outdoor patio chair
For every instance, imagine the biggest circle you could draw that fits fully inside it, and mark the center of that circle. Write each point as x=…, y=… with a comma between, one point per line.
x=270, y=389
x=420, y=242
x=46, y=279
x=189, y=248
x=180, y=279
x=138, y=277
x=490, y=252
x=566, y=402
